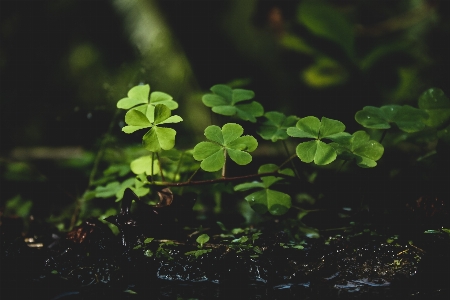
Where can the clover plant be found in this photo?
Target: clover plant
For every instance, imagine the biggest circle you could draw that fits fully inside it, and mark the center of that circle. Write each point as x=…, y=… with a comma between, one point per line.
x=322, y=141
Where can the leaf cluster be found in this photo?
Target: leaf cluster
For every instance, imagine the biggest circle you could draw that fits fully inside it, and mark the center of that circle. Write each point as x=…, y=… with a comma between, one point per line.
x=322, y=141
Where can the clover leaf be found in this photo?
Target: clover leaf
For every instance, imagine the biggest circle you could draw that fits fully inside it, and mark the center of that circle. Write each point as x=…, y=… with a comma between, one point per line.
x=407, y=118
x=225, y=101
x=157, y=138
x=276, y=125
x=143, y=164
x=223, y=141
x=437, y=105
x=266, y=199
x=114, y=188
x=316, y=150
x=139, y=95
x=359, y=147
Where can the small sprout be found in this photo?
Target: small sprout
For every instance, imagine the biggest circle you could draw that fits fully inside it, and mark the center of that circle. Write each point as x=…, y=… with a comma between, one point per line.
x=198, y=253
x=240, y=240
x=202, y=239
x=148, y=240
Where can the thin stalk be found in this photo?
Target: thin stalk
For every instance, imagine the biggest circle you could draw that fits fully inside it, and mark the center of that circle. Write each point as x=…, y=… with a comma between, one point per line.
x=287, y=160
x=342, y=165
x=151, y=167
x=192, y=176
x=225, y=179
x=160, y=167
x=224, y=163
x=383, y=136
x=292, y=163
x=179, y=166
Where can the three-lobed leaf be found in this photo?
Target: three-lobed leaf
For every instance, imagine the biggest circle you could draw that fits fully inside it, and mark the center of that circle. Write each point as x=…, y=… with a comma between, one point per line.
x=407, y=118
x=317, y=150
x=225, y=140
x=359, y=147
x=265, y=199
x=140, y=95
x=274, y=128
x=157, y=138
x=226, y=101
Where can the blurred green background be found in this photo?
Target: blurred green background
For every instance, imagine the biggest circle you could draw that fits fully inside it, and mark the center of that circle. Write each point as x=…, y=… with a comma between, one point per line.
x=64, y=65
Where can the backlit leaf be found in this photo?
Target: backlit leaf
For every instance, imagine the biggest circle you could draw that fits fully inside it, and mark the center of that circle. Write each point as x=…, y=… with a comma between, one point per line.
x=276, y=125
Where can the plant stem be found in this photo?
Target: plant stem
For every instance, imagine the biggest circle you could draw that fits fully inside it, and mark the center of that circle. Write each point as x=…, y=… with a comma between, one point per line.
x=383, y=136
x=151, y=167
x=192, y=176
x=227, y=179
x=179, y=166
x=287, y=160
x=224, y=163
x=342, y=165
x=290, y=159
x=160, y=167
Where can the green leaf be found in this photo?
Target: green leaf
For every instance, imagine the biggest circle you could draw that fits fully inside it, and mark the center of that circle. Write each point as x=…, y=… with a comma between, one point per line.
x=203, y=238
x=410, y=119
x=213, y=162
x=327, y=22
x=143, y=164
x=162, y=113
x=214, y=133
x=239, y=95
x=114, y=188
x=240, y=157
x=231, y=132
x=330, y=127
x=198, y=253
x=226, y=110
x=159, y=138
x=225, y=101
x=136, y=95
x=249, y=185
x=171, y=119
x=249, y=112
x=107, y=191
x=307, y=127
x=205, y=149
x=136, y=120
x=229, y=139
x=277, y=203
x=276, y=125
x=437, y=105
x=361, y=148
x=163, y=98
x=139, y=95
x=269, y=180
x=317, y=151
x=148, y=240
x=376, y=117
x=407, y=118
